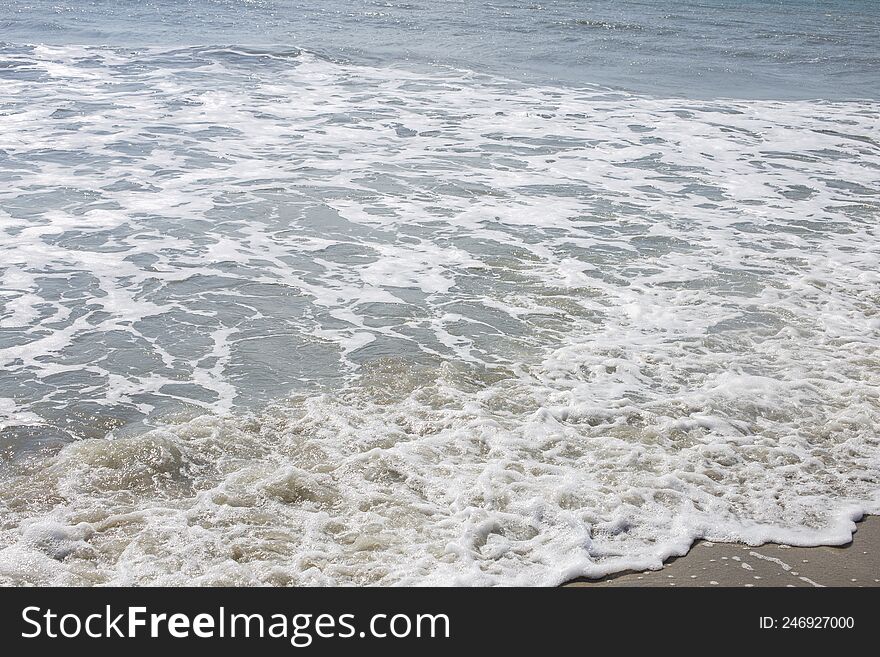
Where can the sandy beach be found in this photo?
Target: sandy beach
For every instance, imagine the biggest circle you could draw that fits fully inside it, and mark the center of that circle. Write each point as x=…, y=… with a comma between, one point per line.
x=731, y=564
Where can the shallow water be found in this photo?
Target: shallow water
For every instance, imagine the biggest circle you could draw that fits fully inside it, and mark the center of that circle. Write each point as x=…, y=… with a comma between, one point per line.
x=422, y=314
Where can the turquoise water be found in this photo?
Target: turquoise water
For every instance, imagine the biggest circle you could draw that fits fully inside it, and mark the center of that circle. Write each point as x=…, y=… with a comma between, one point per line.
x=452, y=293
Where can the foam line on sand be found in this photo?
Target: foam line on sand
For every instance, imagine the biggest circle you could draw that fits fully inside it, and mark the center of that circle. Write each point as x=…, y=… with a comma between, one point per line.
x=734, y=564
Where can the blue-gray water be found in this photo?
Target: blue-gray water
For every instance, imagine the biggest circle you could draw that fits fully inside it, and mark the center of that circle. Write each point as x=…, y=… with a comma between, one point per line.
x=734, y=48
x=456, y=292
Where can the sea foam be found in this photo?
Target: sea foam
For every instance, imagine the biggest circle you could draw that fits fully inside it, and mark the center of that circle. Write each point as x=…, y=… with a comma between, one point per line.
x=291, y=320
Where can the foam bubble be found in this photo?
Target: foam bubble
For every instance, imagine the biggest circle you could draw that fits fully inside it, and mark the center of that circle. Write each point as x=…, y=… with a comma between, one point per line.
x=407, y=328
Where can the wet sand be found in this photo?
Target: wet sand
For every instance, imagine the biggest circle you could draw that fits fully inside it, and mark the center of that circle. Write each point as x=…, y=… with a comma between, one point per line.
x=732, y=564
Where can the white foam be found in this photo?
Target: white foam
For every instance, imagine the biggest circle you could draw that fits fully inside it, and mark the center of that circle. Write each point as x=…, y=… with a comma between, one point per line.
x=564, y=332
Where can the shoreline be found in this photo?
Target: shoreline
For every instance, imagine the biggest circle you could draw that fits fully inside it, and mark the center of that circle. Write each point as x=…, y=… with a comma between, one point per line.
x=708, y=564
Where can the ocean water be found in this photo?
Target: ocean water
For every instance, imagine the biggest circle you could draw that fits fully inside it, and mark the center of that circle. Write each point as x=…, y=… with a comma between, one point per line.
x=432, y=293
